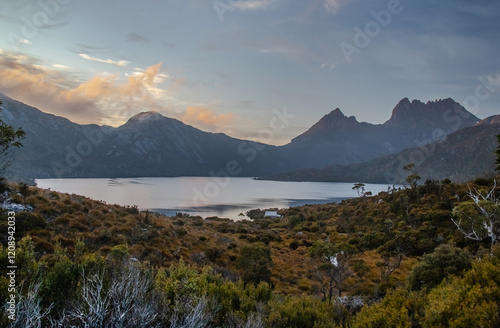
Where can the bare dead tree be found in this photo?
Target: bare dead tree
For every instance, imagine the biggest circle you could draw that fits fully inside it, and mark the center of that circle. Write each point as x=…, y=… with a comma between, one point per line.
x=254, y=320
x=130, y=304
x=479, y=218
x=125, y=304
x=93, y=309
x=198, y=317
x=29, y=313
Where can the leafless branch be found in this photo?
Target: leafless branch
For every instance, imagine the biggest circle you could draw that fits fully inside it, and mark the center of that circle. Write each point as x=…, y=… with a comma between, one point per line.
x=198, y=317
x=29, y=313
x=489, y=219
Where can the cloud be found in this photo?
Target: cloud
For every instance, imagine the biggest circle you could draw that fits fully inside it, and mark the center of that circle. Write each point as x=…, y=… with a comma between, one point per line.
x=277, y=50
x=494, y=79
x=123, y=99
x=119, y=63
x=59, y=66
x=104, y=99
x=480, y=9
x=169, y=45
x=329, y=66
x=334, y=6
x=25, y=41
x=43, y=88
x=81, y=48
x=134, y=37
x=254, y=4
x=206, y=118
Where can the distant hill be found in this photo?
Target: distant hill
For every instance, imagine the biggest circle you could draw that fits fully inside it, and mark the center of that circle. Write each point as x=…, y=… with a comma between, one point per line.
x=150, y=144
x=462, y=156
x=495, y=119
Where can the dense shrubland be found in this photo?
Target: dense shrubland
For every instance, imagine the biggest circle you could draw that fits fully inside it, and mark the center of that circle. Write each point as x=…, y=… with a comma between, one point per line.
x=392, y=260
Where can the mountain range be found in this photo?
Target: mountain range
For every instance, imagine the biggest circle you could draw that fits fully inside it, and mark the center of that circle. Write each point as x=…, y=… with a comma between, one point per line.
x=150, y=144
x=464, y=155
x=338, y=139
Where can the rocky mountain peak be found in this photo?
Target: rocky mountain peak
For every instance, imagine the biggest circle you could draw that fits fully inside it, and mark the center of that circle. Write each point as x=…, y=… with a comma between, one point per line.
x=333, y=122
x=433, y=114
x=335, y=119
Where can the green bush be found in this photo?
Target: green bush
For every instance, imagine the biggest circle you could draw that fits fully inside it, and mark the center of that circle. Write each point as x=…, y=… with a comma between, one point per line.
x=303, y=312
x=255, y=263
x=469, y=301
x=444, y=261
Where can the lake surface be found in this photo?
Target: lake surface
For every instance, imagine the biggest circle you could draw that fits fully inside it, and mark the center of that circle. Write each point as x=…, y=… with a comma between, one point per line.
x=206, y=196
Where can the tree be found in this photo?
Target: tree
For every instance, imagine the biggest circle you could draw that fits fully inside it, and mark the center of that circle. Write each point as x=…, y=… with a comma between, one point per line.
x=360, y=189
x=9, y=139
x=334, y=265
x=255, y=262
x=479, y=218
x=393, y=252
x=24, y=190
x=412, y=178
x=498, y=154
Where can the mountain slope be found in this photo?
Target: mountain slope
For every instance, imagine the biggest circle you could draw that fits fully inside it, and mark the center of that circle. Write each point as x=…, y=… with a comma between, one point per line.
x=463, y=155
x=149, y=144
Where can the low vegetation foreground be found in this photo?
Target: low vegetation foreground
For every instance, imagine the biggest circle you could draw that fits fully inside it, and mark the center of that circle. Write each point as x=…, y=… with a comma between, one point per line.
x=403, y=258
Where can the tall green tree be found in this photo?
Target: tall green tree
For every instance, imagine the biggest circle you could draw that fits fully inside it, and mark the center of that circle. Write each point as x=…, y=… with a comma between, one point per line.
x=10, y=138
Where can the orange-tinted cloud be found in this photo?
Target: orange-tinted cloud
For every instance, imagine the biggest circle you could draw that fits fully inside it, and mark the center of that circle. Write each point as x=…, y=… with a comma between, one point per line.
x=107, y=86
x=102, y=99
x=23, y=79
x=207, y=119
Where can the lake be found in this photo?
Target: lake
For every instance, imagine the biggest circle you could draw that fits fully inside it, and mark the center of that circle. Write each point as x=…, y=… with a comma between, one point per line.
x=206, y=196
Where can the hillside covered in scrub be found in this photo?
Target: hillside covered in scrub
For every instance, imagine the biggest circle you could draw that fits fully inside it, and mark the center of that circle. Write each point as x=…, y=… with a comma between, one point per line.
x=395, y=259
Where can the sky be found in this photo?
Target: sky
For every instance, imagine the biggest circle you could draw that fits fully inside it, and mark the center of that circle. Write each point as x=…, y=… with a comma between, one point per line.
x=241, y=66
